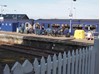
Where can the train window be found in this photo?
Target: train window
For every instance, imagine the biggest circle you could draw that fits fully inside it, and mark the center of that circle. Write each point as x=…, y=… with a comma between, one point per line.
x=74, y=26
x=14, y=16
x=92, y=27
x=48, y=25
x=80, y=26
x=67, y=26
x=86, y=27
x=57, y=25
x=77, y=26
x=53, y=25
x=19, y=16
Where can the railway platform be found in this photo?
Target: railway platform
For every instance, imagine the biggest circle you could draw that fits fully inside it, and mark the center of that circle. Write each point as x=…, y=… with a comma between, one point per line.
x=44, y=42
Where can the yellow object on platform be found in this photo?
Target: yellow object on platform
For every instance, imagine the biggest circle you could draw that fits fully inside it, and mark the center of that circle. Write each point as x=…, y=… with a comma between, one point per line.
x=79, y=34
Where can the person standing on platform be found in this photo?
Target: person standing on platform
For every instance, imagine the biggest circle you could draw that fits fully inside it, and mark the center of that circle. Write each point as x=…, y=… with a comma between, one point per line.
x=62, y=29
x=42, y=29
x=37, y=29
x=48, y=30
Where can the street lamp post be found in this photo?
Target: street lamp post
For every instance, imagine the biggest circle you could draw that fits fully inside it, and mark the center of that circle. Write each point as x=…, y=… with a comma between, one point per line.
x=74, y=13
x=16, y=14
x=2, y=8
x=71, y=15
x=1, y=17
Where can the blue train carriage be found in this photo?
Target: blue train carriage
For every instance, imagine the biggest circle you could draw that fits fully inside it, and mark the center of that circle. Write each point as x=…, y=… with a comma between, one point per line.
x=8, y=25
x=57, y=22
x=84, y=23
x=87, y=25
x=12, y=22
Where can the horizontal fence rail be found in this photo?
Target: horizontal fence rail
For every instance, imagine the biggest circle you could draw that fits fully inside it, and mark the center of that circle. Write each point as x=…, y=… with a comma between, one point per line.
x=82, y=61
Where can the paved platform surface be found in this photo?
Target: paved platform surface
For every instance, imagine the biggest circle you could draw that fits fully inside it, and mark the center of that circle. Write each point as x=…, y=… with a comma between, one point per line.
x=45, y=37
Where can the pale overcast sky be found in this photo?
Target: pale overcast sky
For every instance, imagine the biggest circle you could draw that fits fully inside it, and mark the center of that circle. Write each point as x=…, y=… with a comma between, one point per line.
x=47, y=9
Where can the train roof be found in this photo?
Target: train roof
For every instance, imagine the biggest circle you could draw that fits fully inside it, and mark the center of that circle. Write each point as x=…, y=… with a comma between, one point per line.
x=69, y=19
x=15, y=16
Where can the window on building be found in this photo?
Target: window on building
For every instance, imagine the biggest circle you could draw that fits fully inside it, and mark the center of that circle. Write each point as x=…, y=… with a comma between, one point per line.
x=13, y=16
x=9, y=24
x=6, y=24
x=2, y=23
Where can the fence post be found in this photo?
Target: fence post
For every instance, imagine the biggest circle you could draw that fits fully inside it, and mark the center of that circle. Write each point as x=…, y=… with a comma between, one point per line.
x=36, y=66
x=43, y=67
x=89, y=58
x=54, y=64
x=69, y=61
x=64, y=63
x=83, y=53
x=6, y=70
x=92, y=60
x=76, y=62
x=59, y=63
x=80, y=61
x=27, y=67
x=73, y=62
x=86, y=57
x=49, y=65
x=96, y=48
x=17, y=69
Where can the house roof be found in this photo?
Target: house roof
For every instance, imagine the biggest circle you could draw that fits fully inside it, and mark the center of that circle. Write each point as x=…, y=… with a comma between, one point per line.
x=15, y=16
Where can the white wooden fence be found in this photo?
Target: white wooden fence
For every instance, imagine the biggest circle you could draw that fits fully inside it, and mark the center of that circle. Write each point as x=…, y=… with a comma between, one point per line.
x=83, y=61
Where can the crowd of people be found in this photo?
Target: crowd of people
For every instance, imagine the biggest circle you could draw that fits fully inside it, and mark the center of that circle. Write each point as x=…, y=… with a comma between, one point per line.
x=54, y=29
